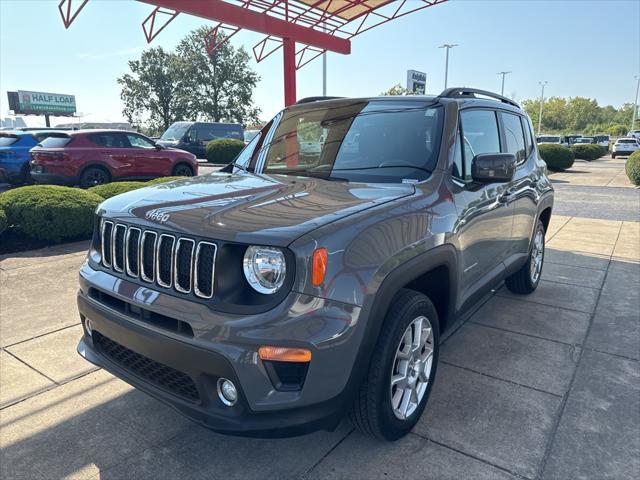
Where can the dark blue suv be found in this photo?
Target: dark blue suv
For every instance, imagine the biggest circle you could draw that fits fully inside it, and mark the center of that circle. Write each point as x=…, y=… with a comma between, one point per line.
x=15, y=156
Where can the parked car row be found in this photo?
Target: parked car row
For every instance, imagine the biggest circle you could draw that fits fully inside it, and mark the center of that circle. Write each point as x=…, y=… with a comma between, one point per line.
x=568, y=140
x=88, y=157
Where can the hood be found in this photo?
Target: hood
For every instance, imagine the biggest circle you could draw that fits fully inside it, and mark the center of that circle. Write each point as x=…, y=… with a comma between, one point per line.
x=248, y=208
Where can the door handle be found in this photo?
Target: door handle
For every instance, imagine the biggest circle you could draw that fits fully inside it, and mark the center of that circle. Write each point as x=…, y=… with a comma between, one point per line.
x=507, y=196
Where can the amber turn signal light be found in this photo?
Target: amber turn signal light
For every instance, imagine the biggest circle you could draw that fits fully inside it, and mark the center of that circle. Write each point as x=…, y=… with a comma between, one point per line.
x=283, y=354
x=318, y=266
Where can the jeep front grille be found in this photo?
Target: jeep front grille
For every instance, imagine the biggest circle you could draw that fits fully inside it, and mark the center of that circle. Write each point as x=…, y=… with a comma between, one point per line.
x=181, y=263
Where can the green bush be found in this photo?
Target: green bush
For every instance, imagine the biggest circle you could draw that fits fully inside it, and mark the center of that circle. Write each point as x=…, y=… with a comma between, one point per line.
x=159, y=180
x=557, y=157
x=632, y=167
x=3, y=221
x=587, y=151
x=223, y=150
x=51, y=213
x=109, y=190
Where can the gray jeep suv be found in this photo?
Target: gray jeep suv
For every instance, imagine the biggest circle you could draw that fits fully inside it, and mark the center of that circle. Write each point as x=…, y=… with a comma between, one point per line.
x=314, y=276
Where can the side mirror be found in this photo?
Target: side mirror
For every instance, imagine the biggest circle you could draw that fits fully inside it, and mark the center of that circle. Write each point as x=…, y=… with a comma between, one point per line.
x=158, y=147
x=493, y=167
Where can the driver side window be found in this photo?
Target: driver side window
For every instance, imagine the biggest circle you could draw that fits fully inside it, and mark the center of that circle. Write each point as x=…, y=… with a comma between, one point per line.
x=479, y=135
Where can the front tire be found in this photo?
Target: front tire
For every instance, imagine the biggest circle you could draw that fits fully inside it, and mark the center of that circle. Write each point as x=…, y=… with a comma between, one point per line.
x=396, y=389
x=182, y=170
x=526, y=279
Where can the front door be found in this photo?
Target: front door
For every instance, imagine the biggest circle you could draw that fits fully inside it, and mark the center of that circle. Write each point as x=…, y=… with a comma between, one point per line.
x=485, y=214
x=148, y=161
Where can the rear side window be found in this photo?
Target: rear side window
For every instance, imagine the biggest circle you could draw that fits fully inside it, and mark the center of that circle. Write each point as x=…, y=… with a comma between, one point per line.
x=479, y=135
x=514, y=136
x=110, y=140
x=6, y=140
x=527, y=135
x=55, y=142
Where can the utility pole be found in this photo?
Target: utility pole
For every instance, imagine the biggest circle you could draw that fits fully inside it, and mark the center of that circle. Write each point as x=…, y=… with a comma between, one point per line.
x=503, y=75
x=635, y=103
x=543, y=84
x=447, y=47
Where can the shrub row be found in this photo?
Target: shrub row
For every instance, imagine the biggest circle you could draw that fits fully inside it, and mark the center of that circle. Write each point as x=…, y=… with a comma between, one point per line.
x=223, y=150
x=55, y=214
x=588, y=151
x=557, y=157
x=632, y=167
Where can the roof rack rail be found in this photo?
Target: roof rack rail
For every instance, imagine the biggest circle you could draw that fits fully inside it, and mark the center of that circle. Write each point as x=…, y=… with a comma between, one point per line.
x=314, y=99
x=457, y=92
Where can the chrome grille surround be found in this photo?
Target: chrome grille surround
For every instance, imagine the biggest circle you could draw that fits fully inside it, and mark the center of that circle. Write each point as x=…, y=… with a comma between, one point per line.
x=125, y=250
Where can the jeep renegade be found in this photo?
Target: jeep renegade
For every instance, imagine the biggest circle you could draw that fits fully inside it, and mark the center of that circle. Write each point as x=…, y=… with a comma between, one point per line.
x=313, y=277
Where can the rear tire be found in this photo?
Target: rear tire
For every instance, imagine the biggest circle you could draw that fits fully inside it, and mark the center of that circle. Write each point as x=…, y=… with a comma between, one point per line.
x=526, y=279
x=388, y=409
x=613, y=155
x=93, y=176
x=22, y=178
x=182, y=170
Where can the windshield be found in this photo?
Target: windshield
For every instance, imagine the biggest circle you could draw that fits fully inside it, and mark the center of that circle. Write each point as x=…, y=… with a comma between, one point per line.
x=548, y=139
x=7, y=139
x=175, y=132
x=377, y=142
x=627, y=140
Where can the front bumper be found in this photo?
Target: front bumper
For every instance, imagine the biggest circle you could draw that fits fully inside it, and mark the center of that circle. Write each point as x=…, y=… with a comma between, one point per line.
x=262, y=410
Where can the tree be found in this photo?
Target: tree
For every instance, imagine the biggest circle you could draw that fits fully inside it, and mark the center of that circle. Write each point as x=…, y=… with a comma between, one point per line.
x=221, y=84
x=397, y=89
x=154, y=92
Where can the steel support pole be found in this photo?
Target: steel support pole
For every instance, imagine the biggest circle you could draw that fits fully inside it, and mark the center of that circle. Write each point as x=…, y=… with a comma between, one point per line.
x=635, y=103
x=289, y=53
x=541, y=105
x=446, y=67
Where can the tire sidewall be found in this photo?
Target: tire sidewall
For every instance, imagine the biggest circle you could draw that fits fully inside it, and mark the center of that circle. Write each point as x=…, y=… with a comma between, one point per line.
x=392, y=427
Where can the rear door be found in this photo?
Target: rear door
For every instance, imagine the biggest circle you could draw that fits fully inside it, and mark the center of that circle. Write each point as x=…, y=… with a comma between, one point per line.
x=485, y=218
x=113, y=149
x=148, y=161
x=522, y=192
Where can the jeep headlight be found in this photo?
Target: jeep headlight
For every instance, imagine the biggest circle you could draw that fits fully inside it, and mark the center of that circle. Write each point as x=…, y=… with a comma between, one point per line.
x=264, y=268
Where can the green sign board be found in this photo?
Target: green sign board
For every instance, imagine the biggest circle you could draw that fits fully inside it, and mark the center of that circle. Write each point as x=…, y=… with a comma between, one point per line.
x=40, y=103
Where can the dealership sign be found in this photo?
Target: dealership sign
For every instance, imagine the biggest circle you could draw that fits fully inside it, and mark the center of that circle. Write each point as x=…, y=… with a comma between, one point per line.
x=416, y=82
x=41, y=103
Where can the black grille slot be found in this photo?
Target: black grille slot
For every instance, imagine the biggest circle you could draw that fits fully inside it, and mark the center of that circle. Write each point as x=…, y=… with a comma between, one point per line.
x=148, y=256
x=118, y=247
x=184, y=257
x=163, y=376
x=133, y=251
x=142, y=314
x=164, y=265
x=107, y=231
x=204, y=270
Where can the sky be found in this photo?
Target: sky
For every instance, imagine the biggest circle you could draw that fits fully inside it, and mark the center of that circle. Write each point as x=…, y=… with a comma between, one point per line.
x=588, y=48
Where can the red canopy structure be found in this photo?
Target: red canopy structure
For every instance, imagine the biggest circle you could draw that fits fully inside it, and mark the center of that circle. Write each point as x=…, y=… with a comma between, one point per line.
x=304, y=29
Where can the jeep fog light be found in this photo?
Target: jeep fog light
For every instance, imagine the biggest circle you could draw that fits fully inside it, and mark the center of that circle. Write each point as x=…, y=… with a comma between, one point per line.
x=264, y=268
x=227, y=392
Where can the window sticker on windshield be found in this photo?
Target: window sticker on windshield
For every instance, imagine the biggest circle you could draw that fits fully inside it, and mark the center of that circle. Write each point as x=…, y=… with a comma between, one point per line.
x=409, y=180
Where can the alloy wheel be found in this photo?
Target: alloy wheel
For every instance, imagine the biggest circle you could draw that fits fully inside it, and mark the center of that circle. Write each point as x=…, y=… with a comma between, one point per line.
x=411, y=368
x=537, y=256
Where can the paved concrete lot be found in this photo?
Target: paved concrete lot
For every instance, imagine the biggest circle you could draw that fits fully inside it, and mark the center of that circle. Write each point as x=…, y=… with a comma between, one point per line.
x=542, y=386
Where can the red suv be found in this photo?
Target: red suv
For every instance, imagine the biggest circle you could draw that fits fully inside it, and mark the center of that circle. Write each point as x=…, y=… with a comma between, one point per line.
x=93, y=157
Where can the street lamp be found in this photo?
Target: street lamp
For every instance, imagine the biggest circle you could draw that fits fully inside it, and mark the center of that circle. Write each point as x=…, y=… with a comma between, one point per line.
x=543, y=84
x=447, y=46
x=635, y=103
x=504, y=74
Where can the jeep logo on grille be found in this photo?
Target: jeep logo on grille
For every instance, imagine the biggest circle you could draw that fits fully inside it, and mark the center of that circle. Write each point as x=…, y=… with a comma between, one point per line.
x=157, y=215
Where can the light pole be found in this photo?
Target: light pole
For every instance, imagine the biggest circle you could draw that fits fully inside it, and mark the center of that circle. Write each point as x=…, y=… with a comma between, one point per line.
x=447, y=47
x=635, y=103
x=543, y=84
x=504, y=74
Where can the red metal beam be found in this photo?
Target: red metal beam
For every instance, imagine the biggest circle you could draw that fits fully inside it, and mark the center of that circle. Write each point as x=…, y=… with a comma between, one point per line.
x=289, y=54
x=224, y=12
